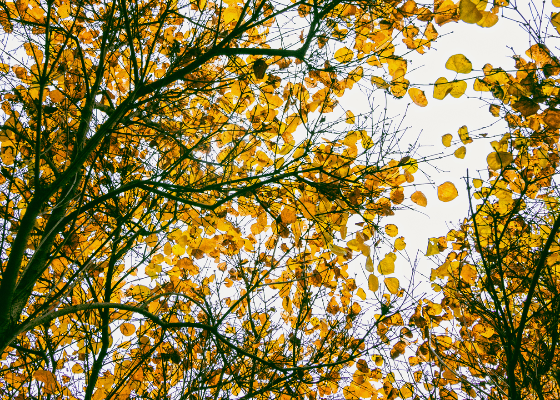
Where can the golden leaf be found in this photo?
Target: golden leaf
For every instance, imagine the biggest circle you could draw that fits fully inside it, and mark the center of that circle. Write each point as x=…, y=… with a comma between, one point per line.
x=447, y=192
x=387, y=265
x=48, y=379
x=127, y=329
x=392, y=285
x=488, y=19
x=369, y=264
x=433, y=248
x=418, y=97
x=446, y=139
x=459, y=63
x=400, y=244
x=288, y=215
x=56, y=96
x=468, y=12
x=460, y=152
x=458, y=88
x=419, y=198
x=343, y=55
x=350, y=119
x=373, y=283
x=499, y=159
x=442, y=88
x=391, y=230
x=361, y=293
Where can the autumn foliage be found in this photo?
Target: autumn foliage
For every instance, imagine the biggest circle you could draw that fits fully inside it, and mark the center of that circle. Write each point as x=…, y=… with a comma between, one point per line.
x=183, y=194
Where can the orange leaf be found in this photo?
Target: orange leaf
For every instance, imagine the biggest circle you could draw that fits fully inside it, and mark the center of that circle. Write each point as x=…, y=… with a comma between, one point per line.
x=419, y=198
x=447, y=192
x=418, y=97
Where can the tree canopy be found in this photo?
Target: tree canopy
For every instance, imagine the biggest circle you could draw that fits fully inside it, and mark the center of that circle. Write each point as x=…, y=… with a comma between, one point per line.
x=183, y=198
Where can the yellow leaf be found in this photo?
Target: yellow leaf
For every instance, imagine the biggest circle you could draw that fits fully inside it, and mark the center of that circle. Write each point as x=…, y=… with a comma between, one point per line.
x=56, y=96
x=460, y=152
x=288, y=215
x=480, y=86
x=419, y=198
x=556, y=3
x=339, y=251
x=447, y=192
x=446, y=139
x=468, y=12
x=64, y=11
x=391, y=230
x=555, y=19
x=392, y=284
x=400, y=244
x=361, y=294
x=477, y=183
x=459, y=63
x=127, y=329
x=418, y=97
x=308, y=210
x=350, y=119
x=178, y=250
x=464, y=135
x=387, y=265
x=458, y=88
x=377, y=359
x=77, y=369
x=488, y=19
x=343, y=55
x=433, y=248
x=379, y=82
x=373, y=283
x=499, y=160
x=369, y=264
x=442, y=88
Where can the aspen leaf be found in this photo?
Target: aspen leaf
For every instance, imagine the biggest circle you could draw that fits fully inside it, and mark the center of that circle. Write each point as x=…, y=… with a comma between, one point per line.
x=308, y=210
x=64, y=11
x=391, y=230
x=127, y=329
x=480, y=86
x=442, y=88
x=418, y=97
x=373, y=283
x=400, y=244
x=458, y=88
x=288, y=215
x=468, y=273
x=361, y=293
x=488, y=19
x=350, y=119
x=447, y=192
x=552, y=118
x=369, y=264
x=555, y=19
x=419, y=198
x=459, y=63
x=77, y=369
x=468, y=12
x=377, y=359
x=259, y=68
x=387, y=264
x=446, y=139
x=48, y=379
x=494, y=110
x=556, y=3
x=499, y=159
x=433, y=248
x=477, y=183
x=56, y=96
x=343, y=55
x=392, y=285
x=460, y=152
x=379, y=82
x=339, y=251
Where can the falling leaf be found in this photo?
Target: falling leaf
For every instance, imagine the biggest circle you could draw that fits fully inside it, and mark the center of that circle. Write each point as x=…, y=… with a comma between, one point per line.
x=418, y=97
x=419, y=198
x=373, y=283
x=391, y=230
x=446, y=139
x=499, y=159
x=343, y=55
x=460, y=152
x=447, y=192
x=459, y=63
x=392, y=285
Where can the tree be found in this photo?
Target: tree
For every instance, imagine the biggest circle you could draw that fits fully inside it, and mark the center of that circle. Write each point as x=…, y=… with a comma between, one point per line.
x=175, y=183
x=493, y=329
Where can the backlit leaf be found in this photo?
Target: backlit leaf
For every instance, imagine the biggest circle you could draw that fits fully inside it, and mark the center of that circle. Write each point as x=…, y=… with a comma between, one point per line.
x=127, y=329
x=361, y=293
x=419, y=198
x=447, y=192
x=446, y=139
x=343, y=55
x=459, y=63
x=373, y=283
x=392, y=285
x=391, y=230
x=468, y=12
x=418, y=97
x=400, y=244
x=499, y=159
x=387, y=264
x=350, y=119
x=460, y=152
